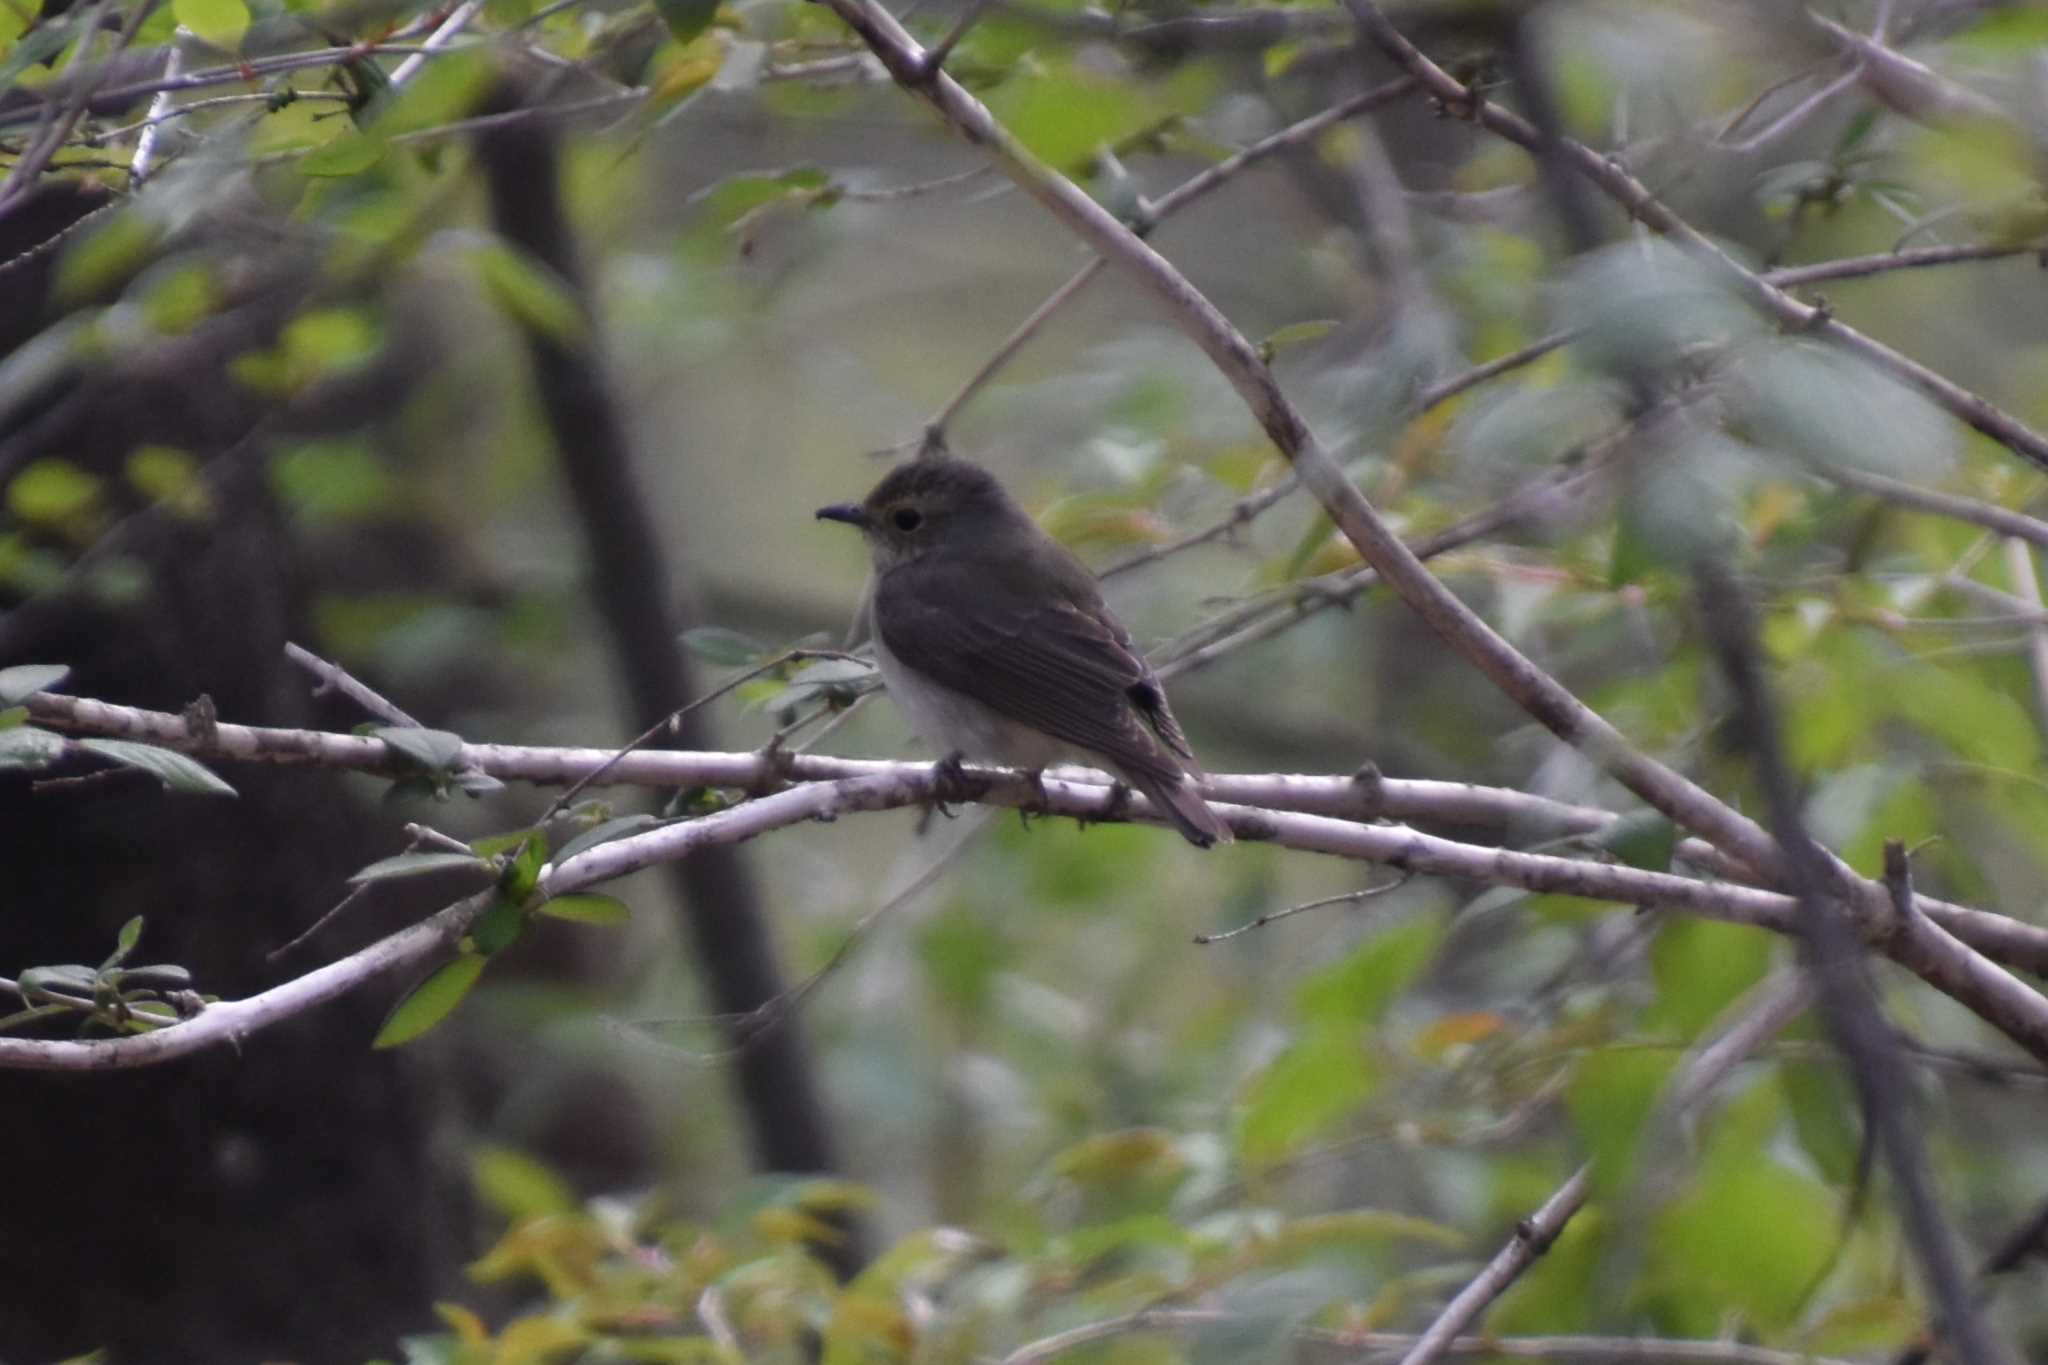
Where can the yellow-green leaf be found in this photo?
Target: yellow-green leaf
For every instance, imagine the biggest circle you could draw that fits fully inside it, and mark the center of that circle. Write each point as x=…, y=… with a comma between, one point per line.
x=586, y=908
x=430, y=1002
x=219, y=22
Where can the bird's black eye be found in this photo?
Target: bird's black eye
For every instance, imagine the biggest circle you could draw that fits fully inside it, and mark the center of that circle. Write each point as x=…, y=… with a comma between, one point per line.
x=907, y=518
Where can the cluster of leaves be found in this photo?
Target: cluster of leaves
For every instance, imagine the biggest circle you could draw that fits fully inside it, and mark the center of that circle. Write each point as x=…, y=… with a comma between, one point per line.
x=629, y=1281
x=515, y=861
x=112, y=998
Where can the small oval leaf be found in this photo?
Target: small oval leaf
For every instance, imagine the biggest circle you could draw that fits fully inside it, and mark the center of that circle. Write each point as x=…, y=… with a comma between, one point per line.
x=586, y=908
x=27, y=747
x=351, y=153
x=498, y=928
x=717, y=645
x=414, y=865
x=174, y=770
x=435, y=751
x=20, y=682
x=430, y=1002
x=220, y=23
x=616, y=828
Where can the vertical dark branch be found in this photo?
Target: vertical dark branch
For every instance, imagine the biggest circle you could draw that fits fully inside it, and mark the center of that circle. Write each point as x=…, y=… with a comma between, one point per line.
x=1568, y=193
x=1833, y=955
x=632, y=579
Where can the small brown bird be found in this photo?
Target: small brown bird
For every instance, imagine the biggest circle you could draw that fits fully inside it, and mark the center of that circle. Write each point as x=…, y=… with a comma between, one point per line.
x=997, y=645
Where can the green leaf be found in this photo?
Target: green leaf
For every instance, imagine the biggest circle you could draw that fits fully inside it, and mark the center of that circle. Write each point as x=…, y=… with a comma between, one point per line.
x=1823, y=1106
x=1361, y=986
x=106, y=257
x=1702, y=967
x=522, y=874
x=52, y=490
x=430, y=1002
x=733, y=198
x=617, y=828
x=1319, y=1079
x=1643, y=838
x=415, y=865
x=19, y=683
x=163, y=976
x=219, y=22
x=686, y=18
x=452, y=86
x=25, y=746
x=124, y=942
x=433, y=751
x=585, y=908
x=69, y=981
x=348, y=153
x=13, y=716
x=1295, y=334
x=174, y=770
x=1751, y=1235
x=717, y=645
x=517, y=1186
x=498, y=928
x=15, y=19
x=1611, y=1096
x=531, y=293
x=41, y=43
x=844, y=679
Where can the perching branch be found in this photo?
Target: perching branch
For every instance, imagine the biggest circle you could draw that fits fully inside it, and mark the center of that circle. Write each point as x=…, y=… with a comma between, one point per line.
x=831, y=787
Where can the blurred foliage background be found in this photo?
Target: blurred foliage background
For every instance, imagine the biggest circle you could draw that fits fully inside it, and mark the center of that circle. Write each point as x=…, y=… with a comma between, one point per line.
x=302, y=377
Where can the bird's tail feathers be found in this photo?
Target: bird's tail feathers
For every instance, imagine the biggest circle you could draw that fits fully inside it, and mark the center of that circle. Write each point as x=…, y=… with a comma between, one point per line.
x=1178, y=799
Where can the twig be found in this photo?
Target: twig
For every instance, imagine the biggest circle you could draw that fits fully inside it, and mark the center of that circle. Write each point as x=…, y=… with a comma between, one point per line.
x=1990, y=516
x=1797, y=114
x=1357, y=897
x=1643, y=206
x=152, y=125
x=449, y=30
x=1189, y=191
x=667, y=724
x=1349, y=1345
x=1906, y=86
x=970, y=15
x=1884, y=262
x=332, y=677
x=1760, y=1016
x=748, y=1027
x=161, y=111
x=1533, y=1236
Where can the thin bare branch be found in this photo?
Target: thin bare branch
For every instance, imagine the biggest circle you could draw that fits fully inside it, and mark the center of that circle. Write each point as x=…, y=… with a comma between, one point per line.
x=1643, y=206
x=1191, y=190
x=1884, y=262
x=332, y=677
x=1358, y=897
x=450, y=29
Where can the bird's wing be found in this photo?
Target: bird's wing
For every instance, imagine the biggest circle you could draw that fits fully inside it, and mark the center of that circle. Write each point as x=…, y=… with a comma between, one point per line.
x=1055, y=661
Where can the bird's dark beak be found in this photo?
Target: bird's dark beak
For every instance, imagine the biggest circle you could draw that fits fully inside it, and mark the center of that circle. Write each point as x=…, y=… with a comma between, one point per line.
x=852, y=513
